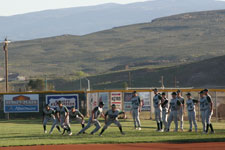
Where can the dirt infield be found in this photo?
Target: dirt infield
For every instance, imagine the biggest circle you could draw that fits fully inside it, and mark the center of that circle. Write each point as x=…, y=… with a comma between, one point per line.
x=152, y=146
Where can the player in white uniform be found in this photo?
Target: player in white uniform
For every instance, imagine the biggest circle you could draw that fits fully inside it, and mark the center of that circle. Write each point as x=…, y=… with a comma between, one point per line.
x=209, y=110
x=62, y=114
x=136, y=109
x=165, y=106
x=173, y=112
x=111, y=116
x=96, y=112
x=181, y=110
x=157, y=100
x=203, y=109
x=49, y=114
x=191, y=112
x=77, y=116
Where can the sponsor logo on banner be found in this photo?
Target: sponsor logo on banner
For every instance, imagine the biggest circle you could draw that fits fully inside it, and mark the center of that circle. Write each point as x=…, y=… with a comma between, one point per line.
x=127, y=101
x=116, y=98
x=145, y=97
x=69, y=100
x=21, y=103
x=104, y=97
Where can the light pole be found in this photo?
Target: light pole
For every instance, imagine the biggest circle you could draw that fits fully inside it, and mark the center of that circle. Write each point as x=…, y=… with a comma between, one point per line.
x=5, y=48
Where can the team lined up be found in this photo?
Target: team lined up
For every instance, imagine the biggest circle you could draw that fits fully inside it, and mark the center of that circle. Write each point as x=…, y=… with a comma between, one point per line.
x=165, y=113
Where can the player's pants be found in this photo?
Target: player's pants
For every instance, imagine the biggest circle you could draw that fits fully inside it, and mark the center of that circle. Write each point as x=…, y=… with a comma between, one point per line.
x=79, y=120
x=208, y=116
x=109, y=122
x=65, y=124
x=181, y=118
x=135, y=114
x=192, y=119
x=173, y=117
x=203, y=118
x=54, y=122
x=164, y=119
x=89, y=124
x=158, y=115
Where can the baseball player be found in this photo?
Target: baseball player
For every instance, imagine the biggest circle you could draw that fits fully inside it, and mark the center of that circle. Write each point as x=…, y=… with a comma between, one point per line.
x=112, y=116
x=165, y=106
x=173, y=112
x=181, y=110
x=191, y=112
x=209, y=111
x=203, y=109
x=62, y=114
x=157, y=99
x=49, y=114
x=136, y=109
x=96, y=112
x=76, y=114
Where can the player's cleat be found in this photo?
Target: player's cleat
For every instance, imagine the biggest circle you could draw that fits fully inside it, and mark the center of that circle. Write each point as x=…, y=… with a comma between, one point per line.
x=78, y=133
x=45, y=131
x=175, y=130
x=50, y=132
x=70, y=134
x=181, y=130
x=92, y=133
x=212, y=132
x=122, y=133
x=196, y=131
x=100, y=135
x=189, y=130
x=63, y=132
x=139, y=128
x=160, y=130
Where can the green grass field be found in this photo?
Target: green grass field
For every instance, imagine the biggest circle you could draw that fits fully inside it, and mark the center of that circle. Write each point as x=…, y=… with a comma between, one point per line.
x=30, y=132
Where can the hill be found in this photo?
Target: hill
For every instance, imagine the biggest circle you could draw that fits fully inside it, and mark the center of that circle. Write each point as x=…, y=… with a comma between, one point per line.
x=208, y=73
x=85, y=20
x=170, y=40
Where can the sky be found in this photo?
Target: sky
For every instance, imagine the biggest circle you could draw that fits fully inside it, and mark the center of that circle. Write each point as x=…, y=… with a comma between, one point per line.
x=13, y=7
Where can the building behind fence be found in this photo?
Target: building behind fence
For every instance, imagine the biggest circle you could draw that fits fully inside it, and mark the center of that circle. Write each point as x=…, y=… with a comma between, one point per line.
x=88, y=100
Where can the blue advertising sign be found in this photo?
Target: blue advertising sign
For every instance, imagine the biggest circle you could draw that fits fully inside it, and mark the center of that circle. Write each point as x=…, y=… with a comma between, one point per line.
x=21, y=103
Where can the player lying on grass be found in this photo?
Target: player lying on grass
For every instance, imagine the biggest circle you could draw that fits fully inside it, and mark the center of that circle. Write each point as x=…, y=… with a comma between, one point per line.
x=96, y=112
x=111, y=116
x=62, y=114
x=191, y=111
x=49, y=114
x=77, y=116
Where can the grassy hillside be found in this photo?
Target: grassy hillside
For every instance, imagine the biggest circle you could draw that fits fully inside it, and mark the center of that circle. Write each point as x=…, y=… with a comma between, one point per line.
x=170, y=40
x=208, y=73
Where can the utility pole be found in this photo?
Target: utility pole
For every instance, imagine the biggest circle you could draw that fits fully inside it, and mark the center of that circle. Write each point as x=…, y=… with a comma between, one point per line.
x=46, y=83
x=80, y=84
x=5, y=48
x=175, y=82
x=129, y=77
x=89, y=85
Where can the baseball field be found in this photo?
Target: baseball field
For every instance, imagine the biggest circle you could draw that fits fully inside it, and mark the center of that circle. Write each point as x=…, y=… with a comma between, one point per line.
x=30, y=133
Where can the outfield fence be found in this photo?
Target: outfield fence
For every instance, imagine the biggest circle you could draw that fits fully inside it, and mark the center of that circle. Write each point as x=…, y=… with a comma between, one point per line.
x=16, y=104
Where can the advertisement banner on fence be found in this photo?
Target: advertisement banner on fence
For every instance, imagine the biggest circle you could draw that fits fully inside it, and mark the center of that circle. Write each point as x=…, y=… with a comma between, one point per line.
x=93, y=100
x=69, y=100
x=116, y=98
x=145, y=98
x=127, y=102
x=21, y=103
x=104, y=97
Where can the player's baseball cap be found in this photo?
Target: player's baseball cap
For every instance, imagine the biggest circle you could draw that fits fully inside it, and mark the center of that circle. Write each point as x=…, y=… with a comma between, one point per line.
x=134, y=92
x=206, y=90
x=188, y=94
x=101, y=103
x=59, y=102
x=201, y=92
x=178, y=91
x=174, y=93
x=113, y=105
x=155, y=89
x=163, y=93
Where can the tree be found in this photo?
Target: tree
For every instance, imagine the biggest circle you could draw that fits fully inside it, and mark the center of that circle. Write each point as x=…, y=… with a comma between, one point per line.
x=36, y=85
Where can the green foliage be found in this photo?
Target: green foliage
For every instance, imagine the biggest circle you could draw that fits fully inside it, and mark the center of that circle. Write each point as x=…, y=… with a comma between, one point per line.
x=36, y=85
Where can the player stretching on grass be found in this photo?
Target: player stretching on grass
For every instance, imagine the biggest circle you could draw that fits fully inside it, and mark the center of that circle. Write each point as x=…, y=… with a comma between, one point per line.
x=173, y=112
x=165, y=105
x=49, y=114
x=191, y=112
x=62, y=114
x=157, y=100
x=96, y=112
x=112, y=118
x=77, y=116
x=136, y=109
x=209, y=111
